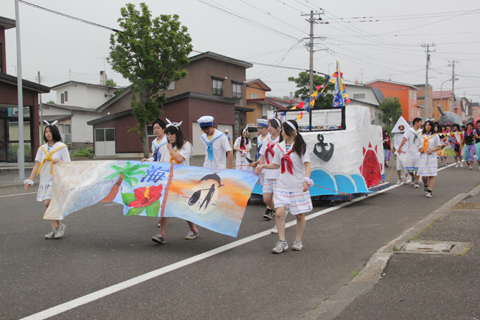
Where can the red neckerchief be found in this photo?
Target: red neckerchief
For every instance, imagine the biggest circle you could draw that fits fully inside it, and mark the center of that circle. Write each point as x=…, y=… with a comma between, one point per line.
x=286, y=161
x=271, y=144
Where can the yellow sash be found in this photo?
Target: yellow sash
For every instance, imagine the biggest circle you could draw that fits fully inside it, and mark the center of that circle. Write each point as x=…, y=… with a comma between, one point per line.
x=172, y=159
x=425, y=142
x=48, y=157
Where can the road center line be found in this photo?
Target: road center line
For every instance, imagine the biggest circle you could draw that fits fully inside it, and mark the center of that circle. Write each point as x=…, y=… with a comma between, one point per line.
x=17, y=194
x=180, y=264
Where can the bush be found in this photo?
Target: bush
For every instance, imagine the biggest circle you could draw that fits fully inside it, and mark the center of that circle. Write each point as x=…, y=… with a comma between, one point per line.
x=83, y=153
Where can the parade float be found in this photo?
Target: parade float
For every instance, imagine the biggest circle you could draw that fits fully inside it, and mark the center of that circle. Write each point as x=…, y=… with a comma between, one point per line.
x=346, y=150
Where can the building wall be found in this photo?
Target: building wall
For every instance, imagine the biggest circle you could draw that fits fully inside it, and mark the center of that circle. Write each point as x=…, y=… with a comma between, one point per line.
x=255, y=88
x=84, y=96
x=3, y=50
x=81, y=131
x=118, y=106
x=421, y=100
x=405, y=95
x=199, y=78
x=446, y=104
x=369, y=95
x=254, y=115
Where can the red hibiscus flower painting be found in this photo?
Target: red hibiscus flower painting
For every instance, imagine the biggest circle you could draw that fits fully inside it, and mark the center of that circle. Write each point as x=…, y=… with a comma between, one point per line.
x=145, y=198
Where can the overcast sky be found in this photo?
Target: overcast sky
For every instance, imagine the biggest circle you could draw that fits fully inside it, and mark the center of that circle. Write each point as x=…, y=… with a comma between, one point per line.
x=386, y=44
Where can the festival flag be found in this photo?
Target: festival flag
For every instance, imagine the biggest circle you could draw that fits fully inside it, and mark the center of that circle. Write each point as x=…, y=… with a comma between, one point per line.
x=340, y=93
x=210, y=197
x=299, y=116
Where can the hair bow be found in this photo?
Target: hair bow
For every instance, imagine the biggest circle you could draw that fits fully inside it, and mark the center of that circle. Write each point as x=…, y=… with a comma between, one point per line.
x=50, y=124
x=175, y=124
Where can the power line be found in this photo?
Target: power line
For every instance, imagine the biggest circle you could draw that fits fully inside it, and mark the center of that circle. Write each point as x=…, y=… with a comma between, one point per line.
x=68, y=16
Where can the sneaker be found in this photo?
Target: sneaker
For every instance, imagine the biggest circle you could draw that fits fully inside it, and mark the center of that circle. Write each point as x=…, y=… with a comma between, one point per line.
x=428, y=194
x=425, y=188
x=416, y=185
x=471, y=168
x=60, y=231
x=280, y=246
x=274, y=230
x=456, y=166
x=192, y=234
x=297, y=245
x=50, y=235
x=461, y=165
x=159, y=238
x=399, y=181
x=269, y=214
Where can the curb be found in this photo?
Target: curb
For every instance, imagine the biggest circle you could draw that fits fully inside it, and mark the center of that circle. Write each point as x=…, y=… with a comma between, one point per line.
x=373, y=270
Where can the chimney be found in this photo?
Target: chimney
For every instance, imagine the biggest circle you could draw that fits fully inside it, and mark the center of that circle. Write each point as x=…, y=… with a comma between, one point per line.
x=356, y=82
x=103, y=77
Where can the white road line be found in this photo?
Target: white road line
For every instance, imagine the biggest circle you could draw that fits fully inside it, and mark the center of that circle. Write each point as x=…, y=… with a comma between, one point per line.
x=180, y=264
x=17, y=194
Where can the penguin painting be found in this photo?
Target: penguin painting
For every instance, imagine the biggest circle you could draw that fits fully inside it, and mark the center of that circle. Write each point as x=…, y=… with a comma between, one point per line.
x=207, y=191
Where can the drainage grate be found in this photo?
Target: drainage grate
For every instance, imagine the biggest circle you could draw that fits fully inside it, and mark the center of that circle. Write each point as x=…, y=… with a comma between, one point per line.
x=435, y=247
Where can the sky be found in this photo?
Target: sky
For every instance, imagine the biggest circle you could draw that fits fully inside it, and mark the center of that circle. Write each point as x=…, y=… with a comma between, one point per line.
x=370, y=39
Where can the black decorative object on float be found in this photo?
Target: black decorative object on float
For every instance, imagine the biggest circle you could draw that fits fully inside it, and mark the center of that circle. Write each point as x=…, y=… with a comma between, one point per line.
x=324, y=154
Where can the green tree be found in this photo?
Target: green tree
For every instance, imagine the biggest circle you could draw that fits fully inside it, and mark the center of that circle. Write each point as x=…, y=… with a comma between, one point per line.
x=150, y=53
x=303, y=83
x=110, y=83
x=391, y=110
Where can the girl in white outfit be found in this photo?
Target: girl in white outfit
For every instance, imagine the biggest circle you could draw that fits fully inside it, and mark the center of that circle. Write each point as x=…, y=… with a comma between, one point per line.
x=293, y=183
x=267, y=154
x=178, y=151
x=428, y=166
x=52, y=152
x=242, y=147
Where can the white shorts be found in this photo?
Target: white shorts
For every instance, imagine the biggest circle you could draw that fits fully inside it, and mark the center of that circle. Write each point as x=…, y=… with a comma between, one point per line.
x=269, y=185
x=412, y=163
x=401, y=162
x=44, y=192
x=296, y=202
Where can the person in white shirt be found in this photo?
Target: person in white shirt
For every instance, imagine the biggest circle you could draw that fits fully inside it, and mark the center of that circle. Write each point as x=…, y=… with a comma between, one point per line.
x=215, y=144
x=428, y=166
x=267, y=154
x=52, y=152
x=159, y=144
x=291, y=193
x=413, y=154
x=178, y=152
x=398, y=132
x=242, y=148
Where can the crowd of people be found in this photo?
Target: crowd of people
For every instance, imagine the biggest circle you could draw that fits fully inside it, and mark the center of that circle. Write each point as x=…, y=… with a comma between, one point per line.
x=422, y=148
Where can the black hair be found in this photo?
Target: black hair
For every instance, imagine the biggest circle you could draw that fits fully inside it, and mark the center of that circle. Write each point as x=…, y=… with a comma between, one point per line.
x=55, y=133
x=241, y=138
x=455, y=125
x=299, y=146
x=470, y=124
x=417, y=120
x=275, y=124
x=160, y=122
x=431, y=125
x=178, y=133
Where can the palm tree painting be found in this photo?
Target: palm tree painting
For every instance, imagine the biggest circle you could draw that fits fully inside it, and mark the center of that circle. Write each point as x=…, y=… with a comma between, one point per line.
x=126, y=174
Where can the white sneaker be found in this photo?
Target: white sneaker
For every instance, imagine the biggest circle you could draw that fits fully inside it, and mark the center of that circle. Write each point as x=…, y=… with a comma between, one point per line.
x=399, y=181
x=471, y=168
x=297, y=245
x=50, y=235
x=60, y=231
x=274, y=230
x=456, y=166
x=461, y=165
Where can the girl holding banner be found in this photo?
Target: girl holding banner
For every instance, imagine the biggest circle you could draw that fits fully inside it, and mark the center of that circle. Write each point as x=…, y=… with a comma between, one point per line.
x=50, y=153
x=178, y=151
x=428, y=166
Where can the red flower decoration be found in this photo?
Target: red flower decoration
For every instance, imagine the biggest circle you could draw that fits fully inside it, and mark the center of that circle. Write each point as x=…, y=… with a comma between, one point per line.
x=146, y=196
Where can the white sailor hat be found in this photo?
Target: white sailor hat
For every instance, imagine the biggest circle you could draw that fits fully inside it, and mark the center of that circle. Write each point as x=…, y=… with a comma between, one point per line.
x=262, y=122
x=206, y=121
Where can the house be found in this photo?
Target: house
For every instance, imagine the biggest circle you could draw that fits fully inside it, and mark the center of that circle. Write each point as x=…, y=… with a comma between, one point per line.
x=406, y=94
x=215, y=85
x=368, y=97
x=78, y=103
x=474, y=110
x=421, y=100
x=9, y=139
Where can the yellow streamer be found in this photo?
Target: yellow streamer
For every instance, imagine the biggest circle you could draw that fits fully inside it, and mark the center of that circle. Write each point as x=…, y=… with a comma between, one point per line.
x=48, y=157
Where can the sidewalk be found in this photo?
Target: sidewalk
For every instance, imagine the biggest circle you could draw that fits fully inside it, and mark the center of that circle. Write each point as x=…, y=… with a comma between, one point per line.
x=421, y=274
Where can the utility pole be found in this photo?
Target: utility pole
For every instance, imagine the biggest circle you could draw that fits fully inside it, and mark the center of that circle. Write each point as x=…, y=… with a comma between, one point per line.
x=425, y=110
x=41, y=112
x=312, y=21
x=453, y=83
x=21, y=144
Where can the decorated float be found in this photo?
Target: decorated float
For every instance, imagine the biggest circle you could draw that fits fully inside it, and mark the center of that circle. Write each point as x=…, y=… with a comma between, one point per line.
x=346, y=150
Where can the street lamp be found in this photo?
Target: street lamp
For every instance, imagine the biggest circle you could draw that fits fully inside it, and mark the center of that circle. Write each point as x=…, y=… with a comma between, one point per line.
x=441, y=92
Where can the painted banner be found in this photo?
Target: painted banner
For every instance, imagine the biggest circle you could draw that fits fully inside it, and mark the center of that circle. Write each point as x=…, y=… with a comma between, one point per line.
x=210, y=197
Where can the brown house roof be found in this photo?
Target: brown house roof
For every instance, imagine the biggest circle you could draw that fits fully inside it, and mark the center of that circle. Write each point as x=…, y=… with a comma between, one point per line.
x=6, y=78
x=219, y=57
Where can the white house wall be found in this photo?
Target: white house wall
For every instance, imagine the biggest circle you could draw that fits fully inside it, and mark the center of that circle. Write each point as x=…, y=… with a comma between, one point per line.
x=369, y=95
x=81, y=132
x=81, y=95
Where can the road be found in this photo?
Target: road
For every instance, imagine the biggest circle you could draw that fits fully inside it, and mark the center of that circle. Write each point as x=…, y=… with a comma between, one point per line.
x=212, y=277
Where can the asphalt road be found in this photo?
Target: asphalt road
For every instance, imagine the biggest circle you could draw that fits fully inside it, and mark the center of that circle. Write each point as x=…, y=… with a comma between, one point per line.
x=102, y=248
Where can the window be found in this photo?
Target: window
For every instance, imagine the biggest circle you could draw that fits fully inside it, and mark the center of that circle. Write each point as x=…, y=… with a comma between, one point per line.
x=359, y=96
x=171, y=86
x=65, y=132
x=62, y=98
x=217, y=87
x=410, y=93
x=253, y=95
x=411, y=113
x=414, y=95
x=237, y=90
x=418, y=113
x=66, y=95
